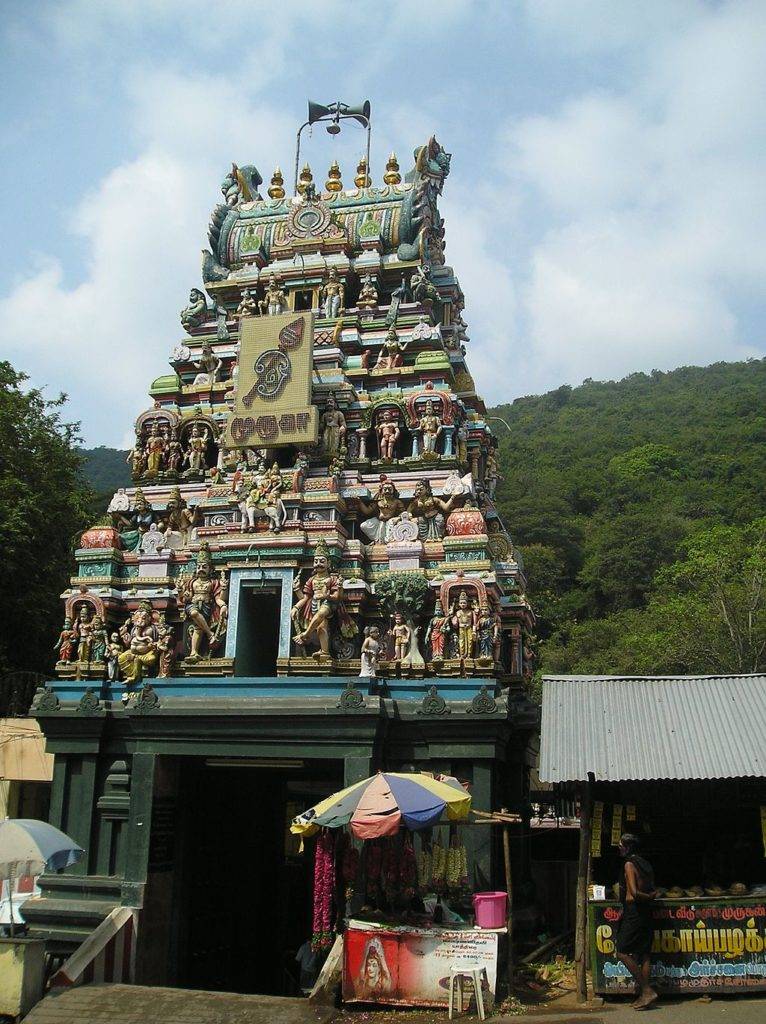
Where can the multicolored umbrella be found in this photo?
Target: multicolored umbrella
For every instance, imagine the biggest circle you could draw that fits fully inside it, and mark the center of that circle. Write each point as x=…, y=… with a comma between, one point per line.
x=377, y=806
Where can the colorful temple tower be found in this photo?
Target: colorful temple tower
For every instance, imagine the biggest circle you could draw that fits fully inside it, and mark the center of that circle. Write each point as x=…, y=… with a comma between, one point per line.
x=309, y=579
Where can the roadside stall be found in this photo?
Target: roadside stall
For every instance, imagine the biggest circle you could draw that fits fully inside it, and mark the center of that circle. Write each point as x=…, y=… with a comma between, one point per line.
x=678, y=762
x=395, y=885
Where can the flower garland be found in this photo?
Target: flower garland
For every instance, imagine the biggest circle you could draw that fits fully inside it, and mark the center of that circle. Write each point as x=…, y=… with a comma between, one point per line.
x=324, y=891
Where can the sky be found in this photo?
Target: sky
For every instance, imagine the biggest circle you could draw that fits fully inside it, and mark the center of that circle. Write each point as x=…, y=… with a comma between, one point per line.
x=605, y=212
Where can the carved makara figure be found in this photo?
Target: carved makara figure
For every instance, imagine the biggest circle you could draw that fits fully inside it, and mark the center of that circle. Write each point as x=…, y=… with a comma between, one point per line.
x=430, y=428
x=389, y=432
x=385, y=506
x=333, y=428
x=391, y=353
x=274, y=301
x=195, y=314
x=139, y=636
x=370, y=652
x=438, y=632
x=368, y=296
x=463, y=621
x=65, y=645
x=320, y=605
x=333, y=295
x=429, y=511
x=401, y=635
x=203, y=602
x=247, y=306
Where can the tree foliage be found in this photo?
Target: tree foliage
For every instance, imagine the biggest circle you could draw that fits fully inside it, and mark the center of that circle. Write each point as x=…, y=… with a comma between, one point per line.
x=638, y=508
x=43, y=506
x=405, y=592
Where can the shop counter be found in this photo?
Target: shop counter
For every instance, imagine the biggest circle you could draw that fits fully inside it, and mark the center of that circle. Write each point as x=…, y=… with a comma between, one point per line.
x=701, y=945
x=409, y=966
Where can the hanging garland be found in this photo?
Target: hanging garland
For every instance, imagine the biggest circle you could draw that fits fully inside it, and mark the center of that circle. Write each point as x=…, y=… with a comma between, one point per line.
x=324, y=889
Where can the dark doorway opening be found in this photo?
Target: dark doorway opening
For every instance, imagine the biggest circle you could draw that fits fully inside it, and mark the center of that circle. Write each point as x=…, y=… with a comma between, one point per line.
x=244, y=897
x=258, y=632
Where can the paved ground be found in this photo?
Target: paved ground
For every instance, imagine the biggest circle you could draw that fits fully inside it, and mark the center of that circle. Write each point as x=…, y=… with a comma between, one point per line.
x=133, y=1004
x=720, y=1010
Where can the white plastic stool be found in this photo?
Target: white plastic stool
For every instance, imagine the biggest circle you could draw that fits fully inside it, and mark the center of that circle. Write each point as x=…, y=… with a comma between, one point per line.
x=456, y=974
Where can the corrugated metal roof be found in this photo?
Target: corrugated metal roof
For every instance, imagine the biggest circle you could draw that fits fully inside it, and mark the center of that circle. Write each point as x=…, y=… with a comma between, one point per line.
x=653, y=727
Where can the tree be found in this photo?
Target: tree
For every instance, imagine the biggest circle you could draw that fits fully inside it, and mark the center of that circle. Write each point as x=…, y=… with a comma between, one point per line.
x=43, y=506
x=407, y=593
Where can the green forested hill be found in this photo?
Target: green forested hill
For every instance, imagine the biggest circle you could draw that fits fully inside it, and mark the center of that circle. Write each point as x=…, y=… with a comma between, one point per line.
x=106, y=469
x=612, y=489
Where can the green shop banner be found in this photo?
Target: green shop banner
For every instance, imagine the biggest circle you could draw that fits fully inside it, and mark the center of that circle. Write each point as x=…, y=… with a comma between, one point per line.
x=701, y=946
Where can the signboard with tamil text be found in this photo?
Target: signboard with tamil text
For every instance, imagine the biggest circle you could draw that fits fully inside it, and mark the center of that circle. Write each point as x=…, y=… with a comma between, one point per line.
x=706, y=945
x=272, y=402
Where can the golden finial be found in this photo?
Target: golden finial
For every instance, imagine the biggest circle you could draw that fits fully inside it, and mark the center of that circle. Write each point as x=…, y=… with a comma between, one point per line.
x=392, y=175
x=305, y=178
x=276, y=188
x=333, y=183
x=362, y=179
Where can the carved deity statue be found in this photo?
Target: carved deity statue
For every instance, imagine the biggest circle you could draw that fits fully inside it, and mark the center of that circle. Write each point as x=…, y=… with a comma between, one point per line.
x=385, y=506
x=487, y=632
x=195, y=456
x=65, y=645
x=98, y=640
x=137, y=457
x=333, y=428
x=463, y=621
x=208, y=364
x=430, y=511
x=247, y=306
x=438, y=632
x=333, y=295
x=203, y=602
x=370, y=652
x=179, y=519
x=392, y=352
x=195, y=314
x=423, y=288
x=300, y=471
x=401, y=635
x=389, y=432
x=320, y=604
x=264, y=499
x=274, y=301
x=139, y=636
x=166, y=647
x=368, y=295
x=430, y=428
x=174, y=453
x=83, y=631
x=491, y=473
x=113, y=651
x=155, y=450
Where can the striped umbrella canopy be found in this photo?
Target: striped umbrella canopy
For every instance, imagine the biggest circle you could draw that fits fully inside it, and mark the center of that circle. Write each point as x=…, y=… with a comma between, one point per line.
x=29, y=847
x=377, y=806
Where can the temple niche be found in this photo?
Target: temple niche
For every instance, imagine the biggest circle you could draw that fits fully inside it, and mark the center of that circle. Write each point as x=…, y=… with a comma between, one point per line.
x=259, y=526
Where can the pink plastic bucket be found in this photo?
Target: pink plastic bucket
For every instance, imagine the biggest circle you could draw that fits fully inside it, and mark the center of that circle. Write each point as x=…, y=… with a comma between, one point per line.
x=489, y=908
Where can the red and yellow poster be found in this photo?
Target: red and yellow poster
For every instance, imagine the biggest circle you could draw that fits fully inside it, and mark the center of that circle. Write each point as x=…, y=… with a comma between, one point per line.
x=410, y=967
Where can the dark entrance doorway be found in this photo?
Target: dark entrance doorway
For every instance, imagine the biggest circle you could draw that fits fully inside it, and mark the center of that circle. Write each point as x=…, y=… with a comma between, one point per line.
x=258, y=632
x=244, y=898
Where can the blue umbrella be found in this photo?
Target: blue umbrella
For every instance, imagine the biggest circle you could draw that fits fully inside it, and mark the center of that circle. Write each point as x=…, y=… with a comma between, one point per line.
x=29, y=847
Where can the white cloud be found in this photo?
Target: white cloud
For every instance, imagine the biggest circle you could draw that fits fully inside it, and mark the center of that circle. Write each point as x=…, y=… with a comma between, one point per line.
x=655, y=205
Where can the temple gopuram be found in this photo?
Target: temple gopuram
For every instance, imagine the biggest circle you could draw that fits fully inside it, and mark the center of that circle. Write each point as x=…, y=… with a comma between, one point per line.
x=307, y=581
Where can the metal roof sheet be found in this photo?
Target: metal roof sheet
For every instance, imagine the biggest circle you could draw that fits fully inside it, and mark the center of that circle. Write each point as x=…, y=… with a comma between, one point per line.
x=653, y=727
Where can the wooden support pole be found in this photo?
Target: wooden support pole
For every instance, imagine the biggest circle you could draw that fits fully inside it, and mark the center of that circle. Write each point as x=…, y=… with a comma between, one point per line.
x=581, y=921
x=509, y=888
